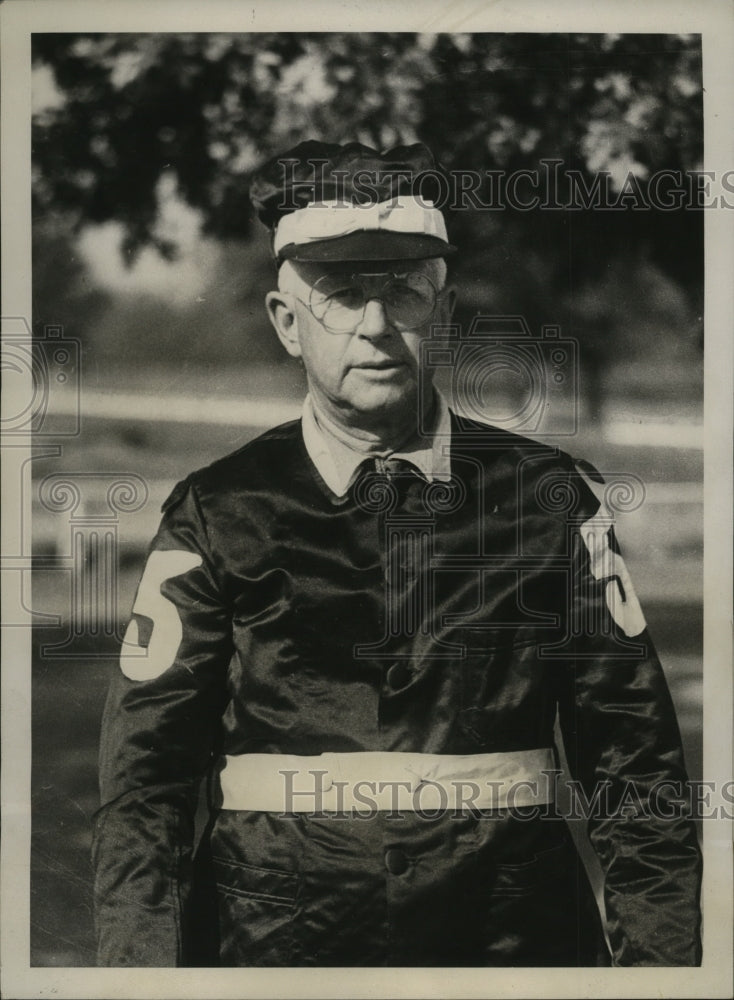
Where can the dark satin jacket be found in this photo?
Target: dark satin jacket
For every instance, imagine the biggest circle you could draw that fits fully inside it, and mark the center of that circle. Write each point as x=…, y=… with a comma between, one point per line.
x=442, y=618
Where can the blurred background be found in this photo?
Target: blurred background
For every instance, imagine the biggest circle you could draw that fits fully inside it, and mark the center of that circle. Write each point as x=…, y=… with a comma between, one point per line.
x=150, y=267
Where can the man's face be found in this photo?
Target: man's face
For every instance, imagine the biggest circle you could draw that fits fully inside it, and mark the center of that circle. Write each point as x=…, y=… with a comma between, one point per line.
x=370, y=373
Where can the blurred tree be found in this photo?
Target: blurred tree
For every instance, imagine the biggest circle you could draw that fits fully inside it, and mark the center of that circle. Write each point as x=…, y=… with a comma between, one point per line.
x=208, y=109
x=213, y=107
x=62, y=292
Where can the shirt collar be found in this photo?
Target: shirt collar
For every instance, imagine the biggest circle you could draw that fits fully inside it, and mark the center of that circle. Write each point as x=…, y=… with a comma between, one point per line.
x=337, y=462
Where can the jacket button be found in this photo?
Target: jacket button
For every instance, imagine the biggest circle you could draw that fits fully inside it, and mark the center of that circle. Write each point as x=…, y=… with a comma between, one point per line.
x=396, y=861
x=399, y=675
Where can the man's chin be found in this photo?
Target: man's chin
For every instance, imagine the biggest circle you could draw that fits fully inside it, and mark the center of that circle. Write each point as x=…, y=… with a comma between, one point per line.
x=384, y=399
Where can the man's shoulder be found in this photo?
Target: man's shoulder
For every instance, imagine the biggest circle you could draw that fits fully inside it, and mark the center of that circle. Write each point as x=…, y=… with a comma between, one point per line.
x=267, y=447
x=259, y=460
x=492, y=443
x=549, y=478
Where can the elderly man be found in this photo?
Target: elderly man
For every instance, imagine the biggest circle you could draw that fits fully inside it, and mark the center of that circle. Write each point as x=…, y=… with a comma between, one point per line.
x=363, y=626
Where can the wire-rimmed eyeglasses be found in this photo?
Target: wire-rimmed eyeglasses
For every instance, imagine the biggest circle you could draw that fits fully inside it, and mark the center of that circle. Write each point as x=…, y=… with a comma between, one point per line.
x=338, y=301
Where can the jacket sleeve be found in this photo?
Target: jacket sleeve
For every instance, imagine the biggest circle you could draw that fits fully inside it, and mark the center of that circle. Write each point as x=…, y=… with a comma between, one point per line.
x=159, y=731
x=624, y=749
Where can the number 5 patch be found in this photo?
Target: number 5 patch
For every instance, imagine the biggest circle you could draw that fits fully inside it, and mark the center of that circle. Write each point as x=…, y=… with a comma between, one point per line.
x=146, y=656
x=605, y=564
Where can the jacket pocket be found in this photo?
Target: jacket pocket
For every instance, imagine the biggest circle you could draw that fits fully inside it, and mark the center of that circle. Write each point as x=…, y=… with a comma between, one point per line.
x=503, y=689
x=528, y=877
x=268, y=884
x=541, y=912
x=256, y=911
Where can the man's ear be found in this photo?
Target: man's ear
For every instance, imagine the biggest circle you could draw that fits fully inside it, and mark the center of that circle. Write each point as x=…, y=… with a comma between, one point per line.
x=448, y=303
x=282, y=314
x=451, y=300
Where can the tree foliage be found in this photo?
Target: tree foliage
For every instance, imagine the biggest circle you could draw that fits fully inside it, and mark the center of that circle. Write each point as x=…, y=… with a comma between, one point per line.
x=129, y=112
x=212, y=107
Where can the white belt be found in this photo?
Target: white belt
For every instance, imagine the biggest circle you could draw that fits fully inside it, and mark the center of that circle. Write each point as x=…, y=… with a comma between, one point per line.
x=386, y=781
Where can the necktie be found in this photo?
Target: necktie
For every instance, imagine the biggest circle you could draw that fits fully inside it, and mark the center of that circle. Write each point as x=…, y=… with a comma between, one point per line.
x=396, y=469
x=385, y=483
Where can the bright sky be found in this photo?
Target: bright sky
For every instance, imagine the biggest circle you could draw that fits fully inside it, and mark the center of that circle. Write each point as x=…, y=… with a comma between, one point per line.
x=179, y=282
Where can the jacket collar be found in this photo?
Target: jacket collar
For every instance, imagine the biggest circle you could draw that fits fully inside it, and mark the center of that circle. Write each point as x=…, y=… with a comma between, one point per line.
x=337, y=462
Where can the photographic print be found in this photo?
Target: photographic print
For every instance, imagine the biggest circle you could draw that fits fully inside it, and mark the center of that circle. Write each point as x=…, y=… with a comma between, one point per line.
x=357, y=578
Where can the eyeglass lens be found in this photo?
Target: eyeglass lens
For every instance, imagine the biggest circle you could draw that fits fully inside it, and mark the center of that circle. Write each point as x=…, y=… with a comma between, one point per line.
x=339, y=301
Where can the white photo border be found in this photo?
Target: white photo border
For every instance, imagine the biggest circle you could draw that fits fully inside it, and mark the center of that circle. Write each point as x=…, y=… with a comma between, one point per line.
x=714, y=21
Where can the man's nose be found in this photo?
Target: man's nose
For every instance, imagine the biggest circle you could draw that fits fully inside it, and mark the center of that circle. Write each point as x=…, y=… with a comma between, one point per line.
x=374, y=322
